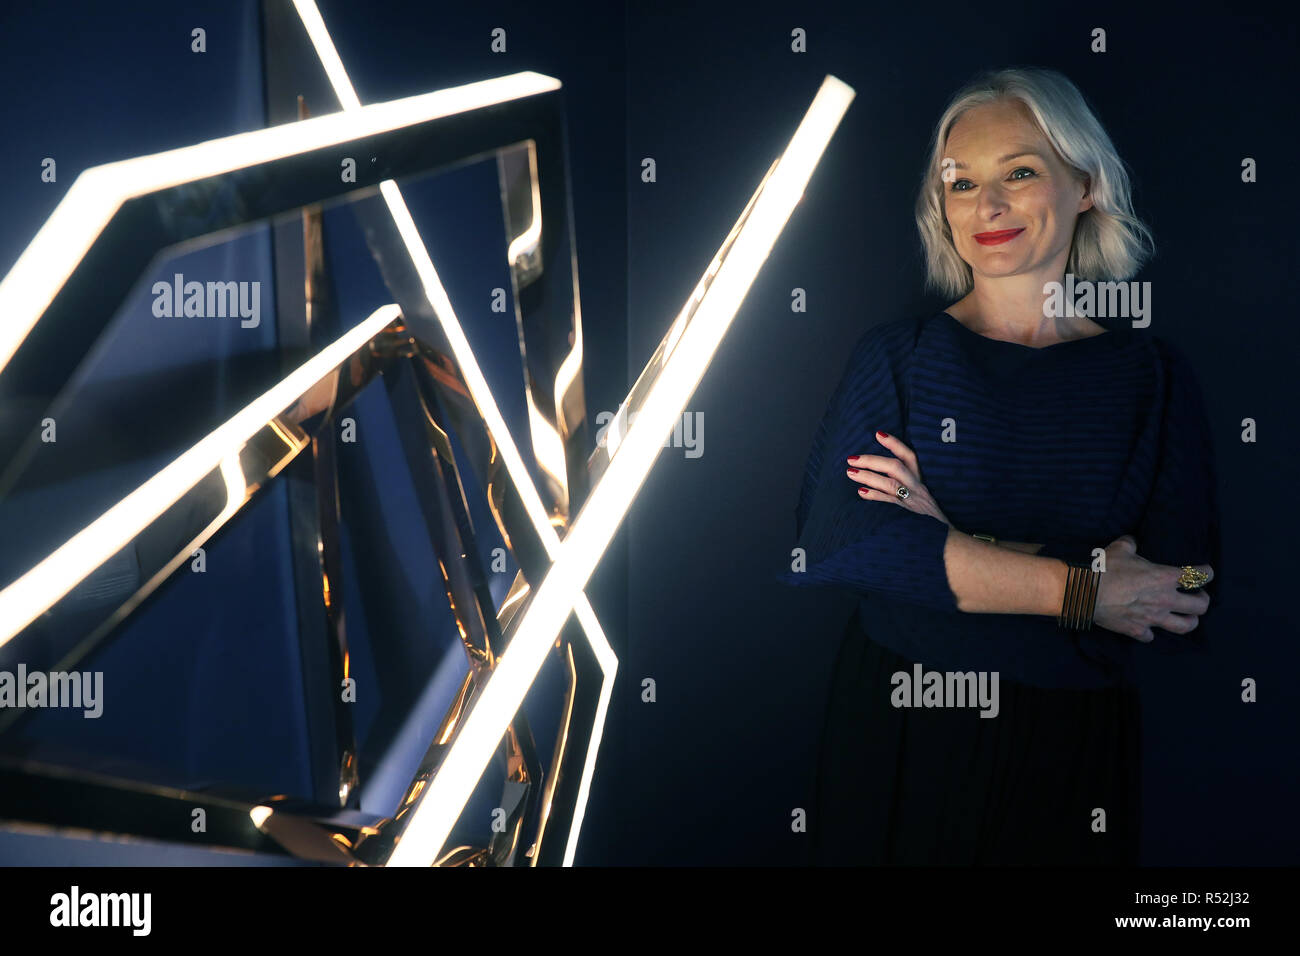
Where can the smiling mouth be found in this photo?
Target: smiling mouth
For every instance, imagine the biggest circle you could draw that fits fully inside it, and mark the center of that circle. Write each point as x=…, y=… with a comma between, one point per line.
x=993, y=238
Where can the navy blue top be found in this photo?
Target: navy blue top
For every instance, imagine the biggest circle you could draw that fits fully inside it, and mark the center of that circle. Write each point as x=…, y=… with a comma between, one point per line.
x=1070, y=445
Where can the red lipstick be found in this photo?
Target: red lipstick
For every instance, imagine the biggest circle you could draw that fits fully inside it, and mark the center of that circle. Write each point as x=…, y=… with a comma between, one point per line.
x=993, y=238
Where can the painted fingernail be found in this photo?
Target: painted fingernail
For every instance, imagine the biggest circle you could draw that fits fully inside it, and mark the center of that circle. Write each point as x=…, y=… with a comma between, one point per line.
x=883, y=434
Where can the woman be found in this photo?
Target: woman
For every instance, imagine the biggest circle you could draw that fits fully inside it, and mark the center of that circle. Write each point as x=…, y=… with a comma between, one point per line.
x=1077, y=450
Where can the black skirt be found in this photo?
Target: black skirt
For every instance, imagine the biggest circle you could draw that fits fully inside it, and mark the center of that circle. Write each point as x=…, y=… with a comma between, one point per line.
x=945, y=786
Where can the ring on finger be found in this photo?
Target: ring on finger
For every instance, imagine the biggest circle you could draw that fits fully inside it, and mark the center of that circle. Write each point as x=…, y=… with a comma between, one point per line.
x=1191, y=579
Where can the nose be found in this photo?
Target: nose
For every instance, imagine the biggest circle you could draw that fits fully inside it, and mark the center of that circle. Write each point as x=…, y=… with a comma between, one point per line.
x=992, y=202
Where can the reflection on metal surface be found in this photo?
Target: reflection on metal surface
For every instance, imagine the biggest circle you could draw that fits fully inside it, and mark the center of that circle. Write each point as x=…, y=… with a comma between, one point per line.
x=203, y=189
x=548, y=427
x=414, y=135
x=554, y=517
x=302, y=838
x=417, y=288
x=307, y=416
x=56, y=800
x=452, y=532
x=317, y=548
x=188, y=500
x=561, y=741
x=687, y=355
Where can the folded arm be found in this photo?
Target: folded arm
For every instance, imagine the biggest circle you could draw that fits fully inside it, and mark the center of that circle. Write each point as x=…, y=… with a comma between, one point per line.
x=1002, y=578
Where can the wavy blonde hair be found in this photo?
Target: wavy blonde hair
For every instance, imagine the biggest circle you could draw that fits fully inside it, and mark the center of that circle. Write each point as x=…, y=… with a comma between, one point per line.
x=1110, y=243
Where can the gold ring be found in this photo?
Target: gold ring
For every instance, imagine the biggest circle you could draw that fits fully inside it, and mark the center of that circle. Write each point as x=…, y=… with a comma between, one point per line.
x=1191, y=579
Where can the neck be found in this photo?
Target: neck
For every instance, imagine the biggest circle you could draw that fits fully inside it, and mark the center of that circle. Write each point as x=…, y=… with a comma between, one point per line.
x=1010, y=308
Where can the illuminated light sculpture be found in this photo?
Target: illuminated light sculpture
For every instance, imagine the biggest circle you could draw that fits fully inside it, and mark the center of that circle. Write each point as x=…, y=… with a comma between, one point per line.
x=586, y=498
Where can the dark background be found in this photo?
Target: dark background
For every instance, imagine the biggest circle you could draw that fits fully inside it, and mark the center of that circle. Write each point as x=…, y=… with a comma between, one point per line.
x=710, y=772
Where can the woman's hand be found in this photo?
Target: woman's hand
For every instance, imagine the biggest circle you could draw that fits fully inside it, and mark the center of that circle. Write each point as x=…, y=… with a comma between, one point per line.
x=881, y=477
x=1135, y=595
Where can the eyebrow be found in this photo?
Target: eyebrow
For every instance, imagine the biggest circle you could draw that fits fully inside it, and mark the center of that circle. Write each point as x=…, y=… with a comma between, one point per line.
x=1004, y=159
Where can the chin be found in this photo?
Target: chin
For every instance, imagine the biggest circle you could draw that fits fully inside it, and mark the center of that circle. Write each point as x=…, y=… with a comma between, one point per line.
x=1000, y=271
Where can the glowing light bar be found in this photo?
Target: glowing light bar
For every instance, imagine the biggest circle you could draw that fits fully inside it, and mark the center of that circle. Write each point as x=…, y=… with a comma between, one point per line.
x=96, y=195
x=483, y=398
x=445, y=797
x=30, y=595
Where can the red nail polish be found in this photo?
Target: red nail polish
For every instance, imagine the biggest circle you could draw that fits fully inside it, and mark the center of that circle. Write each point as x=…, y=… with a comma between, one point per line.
x=885, y=434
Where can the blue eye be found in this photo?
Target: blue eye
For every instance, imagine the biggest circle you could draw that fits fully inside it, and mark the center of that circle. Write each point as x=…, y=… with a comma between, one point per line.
x=1014, y=177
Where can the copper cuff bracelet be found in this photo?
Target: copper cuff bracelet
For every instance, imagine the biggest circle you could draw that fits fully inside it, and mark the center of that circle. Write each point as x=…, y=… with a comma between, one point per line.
x=1080, y=600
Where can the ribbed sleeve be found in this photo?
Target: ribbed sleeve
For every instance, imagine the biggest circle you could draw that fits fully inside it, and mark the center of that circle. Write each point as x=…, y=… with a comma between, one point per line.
x=867, y=546
x=1181, y=521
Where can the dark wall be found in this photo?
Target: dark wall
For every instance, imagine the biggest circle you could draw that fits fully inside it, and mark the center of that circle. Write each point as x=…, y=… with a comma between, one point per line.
x=743, y=666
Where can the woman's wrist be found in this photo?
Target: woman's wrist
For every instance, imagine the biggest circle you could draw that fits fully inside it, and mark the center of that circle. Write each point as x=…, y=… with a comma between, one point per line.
x=1053, y=580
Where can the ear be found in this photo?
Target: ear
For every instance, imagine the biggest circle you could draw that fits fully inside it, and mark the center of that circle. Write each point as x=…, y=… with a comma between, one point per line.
x=1085, y=202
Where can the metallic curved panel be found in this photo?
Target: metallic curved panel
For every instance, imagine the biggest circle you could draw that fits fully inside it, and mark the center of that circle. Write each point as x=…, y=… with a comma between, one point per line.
x=115, y=219
x=148, y=198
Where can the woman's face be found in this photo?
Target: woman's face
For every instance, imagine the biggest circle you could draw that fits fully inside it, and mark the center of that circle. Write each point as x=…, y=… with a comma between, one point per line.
x=1013, y=202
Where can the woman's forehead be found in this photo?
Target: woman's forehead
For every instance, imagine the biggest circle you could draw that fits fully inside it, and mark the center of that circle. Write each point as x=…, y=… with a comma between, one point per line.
x=995, y=125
